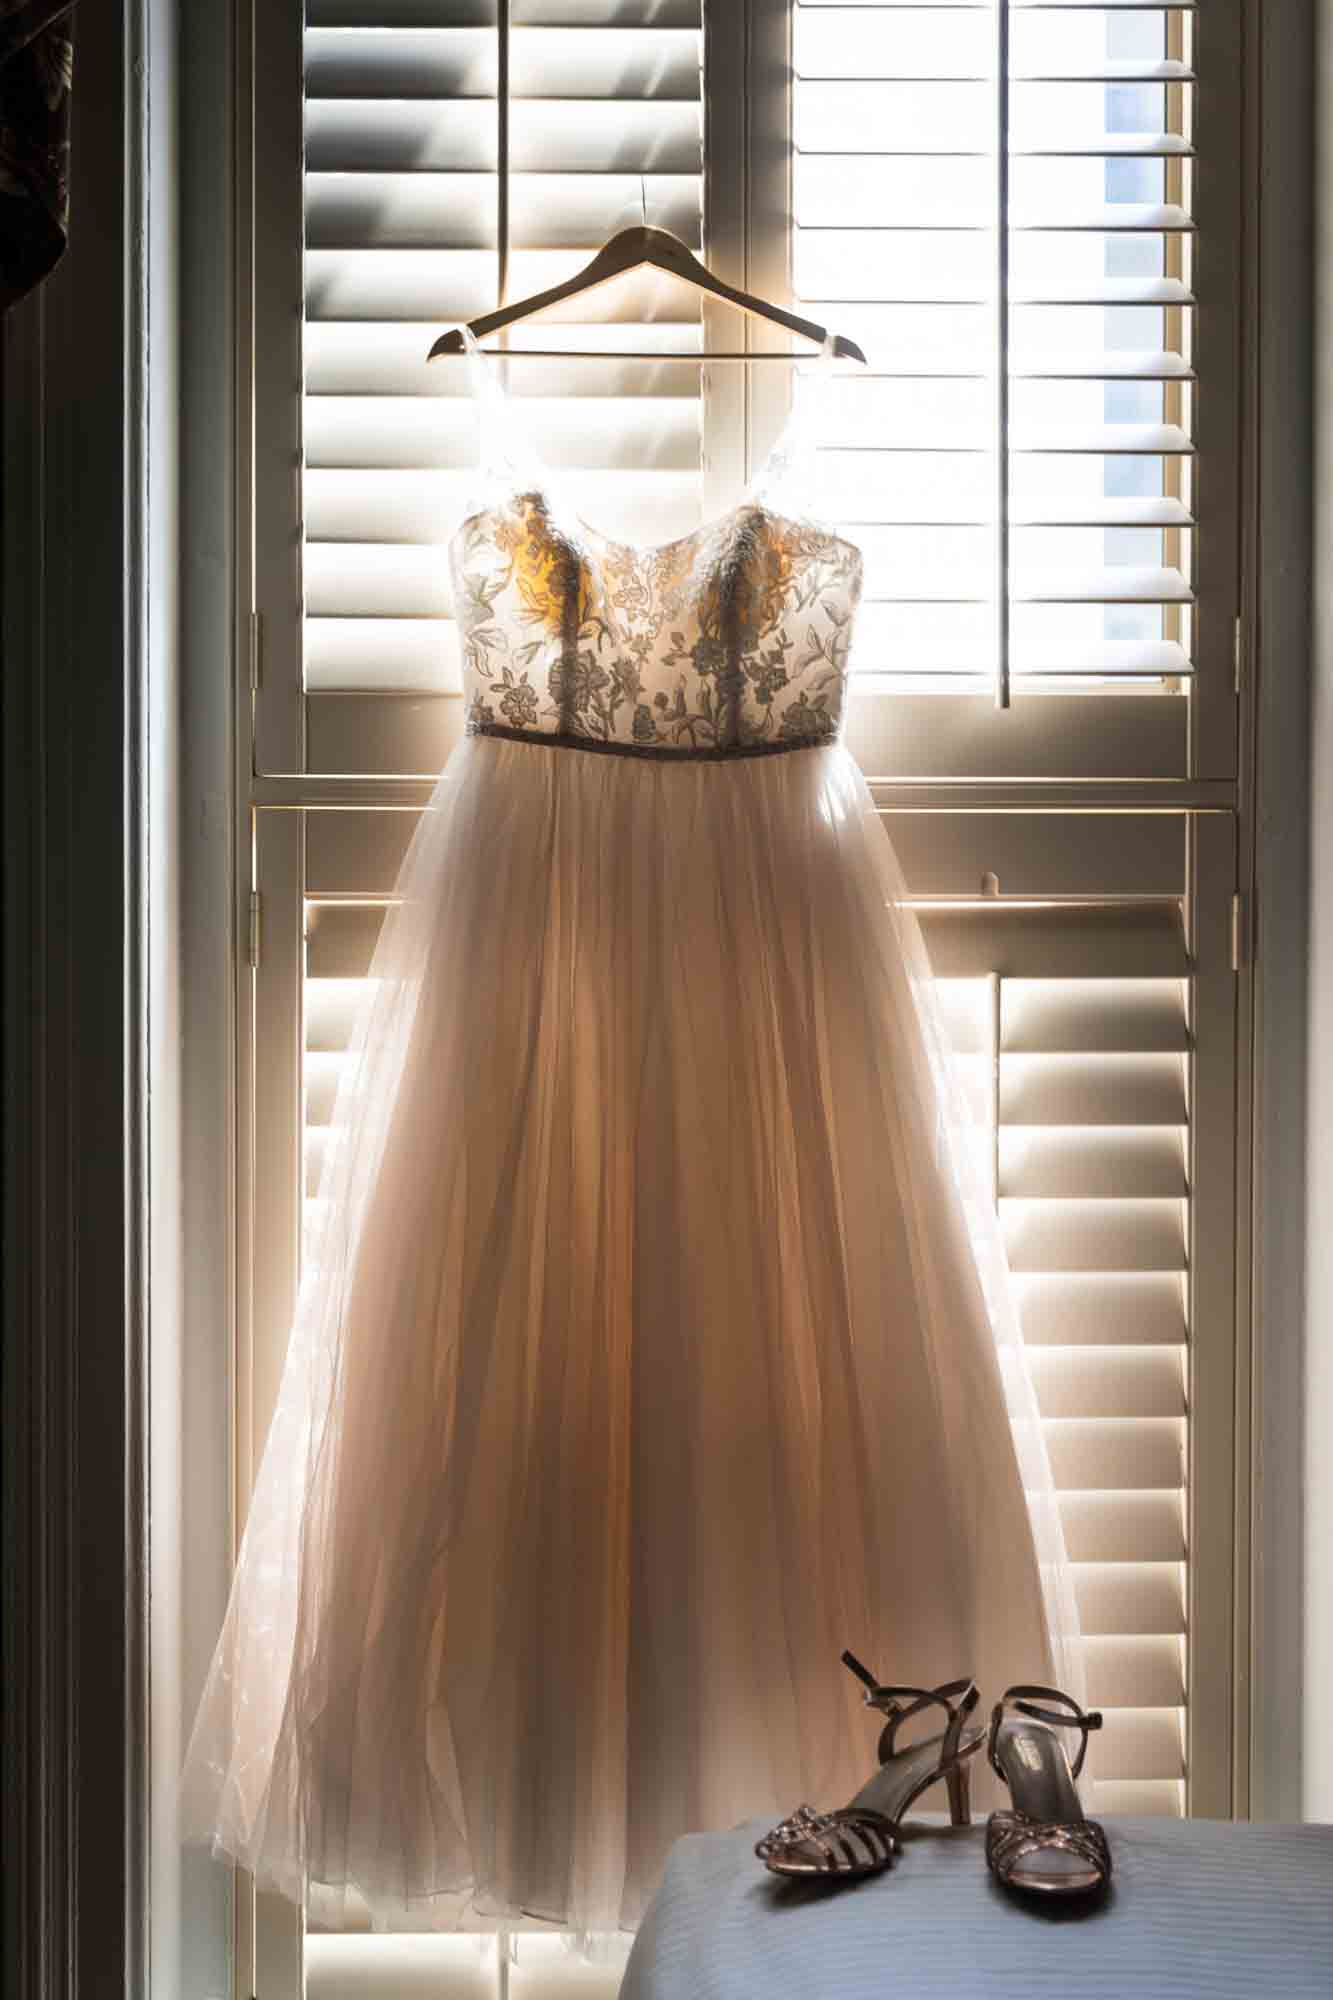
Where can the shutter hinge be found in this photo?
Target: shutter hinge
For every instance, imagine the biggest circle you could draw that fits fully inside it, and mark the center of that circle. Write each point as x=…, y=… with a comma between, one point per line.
x=256, y=648
x=1239, y=940
x=1238, y=656
x=252, y=938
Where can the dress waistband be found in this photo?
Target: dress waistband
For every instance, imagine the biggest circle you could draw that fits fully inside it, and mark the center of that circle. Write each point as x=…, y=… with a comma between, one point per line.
x=690, y=754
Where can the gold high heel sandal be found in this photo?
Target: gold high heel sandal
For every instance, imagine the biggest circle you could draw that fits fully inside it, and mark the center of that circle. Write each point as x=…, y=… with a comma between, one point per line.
x=862, y=1838
x=1044, y=1846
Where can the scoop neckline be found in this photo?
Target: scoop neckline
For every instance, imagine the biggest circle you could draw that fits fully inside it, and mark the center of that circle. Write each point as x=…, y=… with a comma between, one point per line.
x=750, y=504
x=727, y=518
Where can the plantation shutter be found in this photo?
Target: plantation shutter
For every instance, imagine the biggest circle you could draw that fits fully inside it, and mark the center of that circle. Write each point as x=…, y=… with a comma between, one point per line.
x=1001, y=204
x=1090, y=1013
x=410, y=226
x=1072, y=857
x=1038, y=489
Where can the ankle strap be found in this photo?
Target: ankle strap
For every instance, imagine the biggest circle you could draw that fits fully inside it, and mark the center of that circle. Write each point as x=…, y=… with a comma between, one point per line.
x=898, y=1704
x=1030, y=1700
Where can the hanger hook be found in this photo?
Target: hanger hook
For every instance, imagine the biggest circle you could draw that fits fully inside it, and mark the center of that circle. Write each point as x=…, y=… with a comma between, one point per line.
x=643, y=200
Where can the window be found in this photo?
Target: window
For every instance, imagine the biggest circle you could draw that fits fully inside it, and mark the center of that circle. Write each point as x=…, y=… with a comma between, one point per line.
x=1042, y=465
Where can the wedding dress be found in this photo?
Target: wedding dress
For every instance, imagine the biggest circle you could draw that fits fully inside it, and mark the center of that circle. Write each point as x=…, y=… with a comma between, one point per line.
x=656, y=1345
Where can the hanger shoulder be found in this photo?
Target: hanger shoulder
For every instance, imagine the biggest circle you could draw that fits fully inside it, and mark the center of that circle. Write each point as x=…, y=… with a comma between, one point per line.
x=626, y=251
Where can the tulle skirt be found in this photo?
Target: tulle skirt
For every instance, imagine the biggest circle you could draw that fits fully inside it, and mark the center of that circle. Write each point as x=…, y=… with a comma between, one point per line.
x=654, y=1348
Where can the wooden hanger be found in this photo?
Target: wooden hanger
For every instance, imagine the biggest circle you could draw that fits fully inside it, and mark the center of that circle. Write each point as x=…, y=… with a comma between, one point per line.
x=626, y=250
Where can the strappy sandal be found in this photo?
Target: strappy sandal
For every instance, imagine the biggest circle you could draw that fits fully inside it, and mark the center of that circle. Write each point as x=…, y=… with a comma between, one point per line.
x=862, y=1838
x=1044, y=1846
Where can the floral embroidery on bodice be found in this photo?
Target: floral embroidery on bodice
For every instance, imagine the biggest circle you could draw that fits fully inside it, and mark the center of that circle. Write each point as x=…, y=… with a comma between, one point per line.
x=734, y=637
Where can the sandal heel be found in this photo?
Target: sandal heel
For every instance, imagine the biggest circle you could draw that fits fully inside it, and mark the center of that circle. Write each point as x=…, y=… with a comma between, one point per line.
x=959, y=1783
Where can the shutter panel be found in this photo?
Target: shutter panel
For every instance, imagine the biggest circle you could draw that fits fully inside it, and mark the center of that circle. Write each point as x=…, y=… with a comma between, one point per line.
x=402, y=228
x=1070, y=1018
x=897, y=240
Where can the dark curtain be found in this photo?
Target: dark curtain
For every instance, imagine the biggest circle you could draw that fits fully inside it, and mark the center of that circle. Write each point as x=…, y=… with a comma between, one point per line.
x=36, y=65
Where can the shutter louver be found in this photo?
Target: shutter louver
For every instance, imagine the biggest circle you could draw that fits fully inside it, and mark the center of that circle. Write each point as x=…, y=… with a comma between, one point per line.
x=896, y=240
x=402, y=220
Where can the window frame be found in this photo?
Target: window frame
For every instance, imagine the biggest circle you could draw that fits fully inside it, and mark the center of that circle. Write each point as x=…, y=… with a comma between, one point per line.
x=1075, y=753
x=61, y=1931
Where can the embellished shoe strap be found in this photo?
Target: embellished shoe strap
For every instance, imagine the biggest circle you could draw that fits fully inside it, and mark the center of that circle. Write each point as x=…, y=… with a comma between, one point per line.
x=1011, y=1836
x=851, y=1839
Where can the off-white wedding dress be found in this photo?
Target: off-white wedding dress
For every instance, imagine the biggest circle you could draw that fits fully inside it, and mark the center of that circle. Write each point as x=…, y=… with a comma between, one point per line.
x=655, y=1347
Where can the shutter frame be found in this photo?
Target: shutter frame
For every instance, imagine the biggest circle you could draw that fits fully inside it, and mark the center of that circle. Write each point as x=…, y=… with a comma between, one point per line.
x=1000, y=778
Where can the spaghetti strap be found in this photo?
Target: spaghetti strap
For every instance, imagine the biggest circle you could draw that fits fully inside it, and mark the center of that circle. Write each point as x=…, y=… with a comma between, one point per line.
x=786, y=483
x=504, y=462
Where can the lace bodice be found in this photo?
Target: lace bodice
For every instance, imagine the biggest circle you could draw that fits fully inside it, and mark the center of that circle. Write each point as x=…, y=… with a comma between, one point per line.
x=731, y=639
